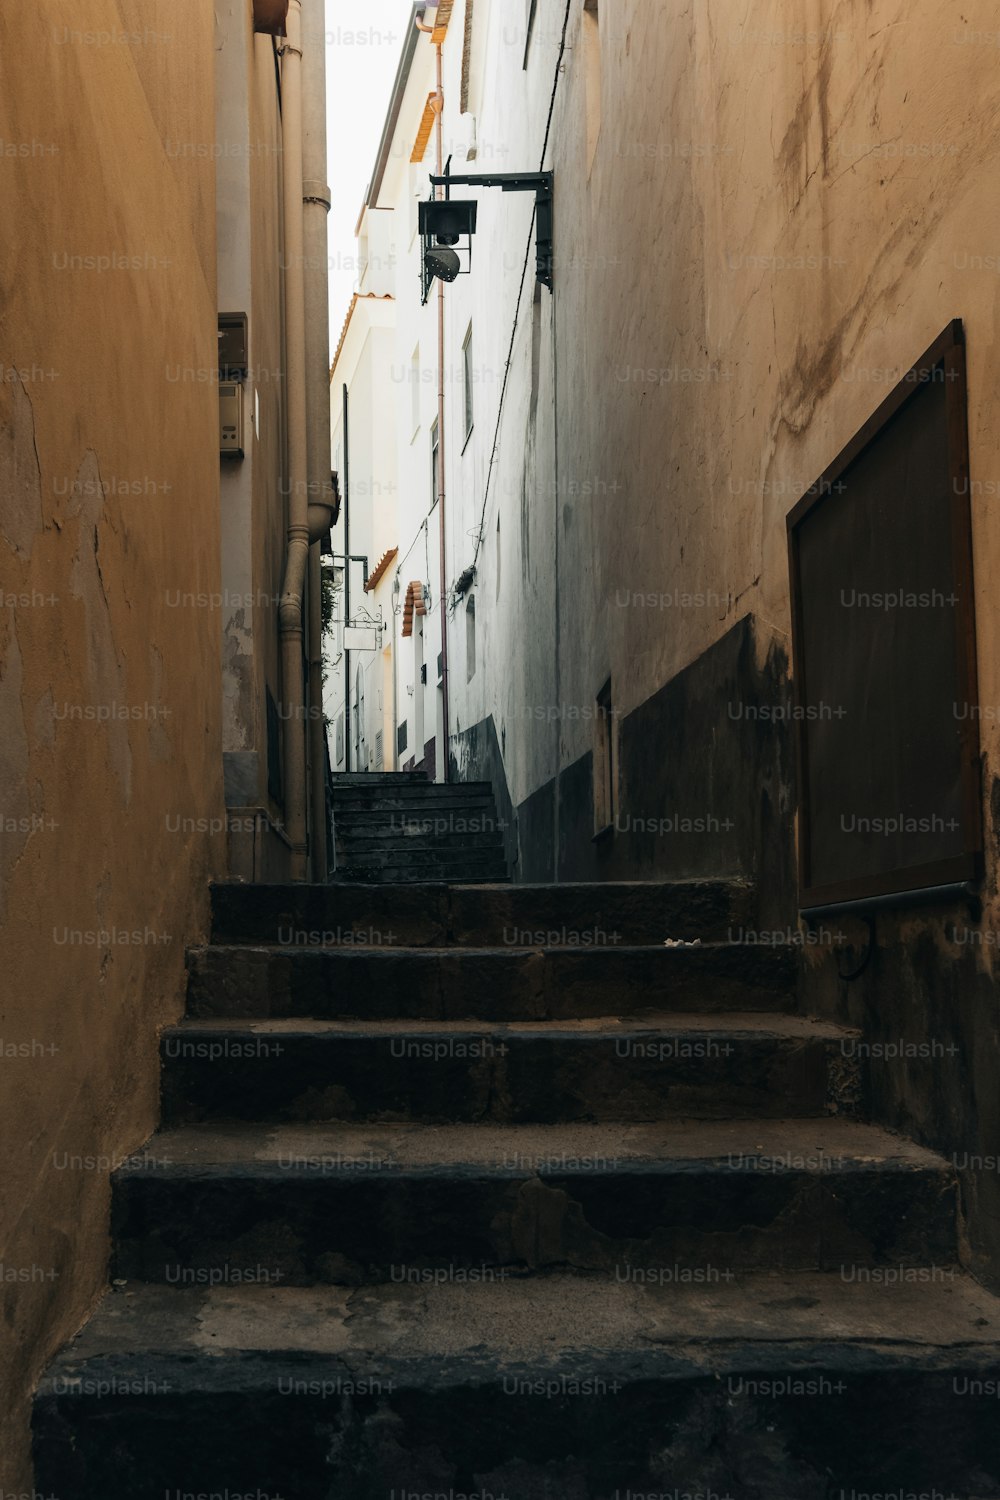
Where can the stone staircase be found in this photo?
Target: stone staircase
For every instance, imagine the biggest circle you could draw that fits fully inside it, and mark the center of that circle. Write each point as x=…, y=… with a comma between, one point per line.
x=485, y=1191
x=392, y=827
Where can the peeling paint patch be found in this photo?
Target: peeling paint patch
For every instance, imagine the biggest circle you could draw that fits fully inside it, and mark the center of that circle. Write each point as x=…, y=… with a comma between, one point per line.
x=160, y=744
x=14, y=800
x=43, y=730
x=20, y=472
x=105, y=680
x=237, y=681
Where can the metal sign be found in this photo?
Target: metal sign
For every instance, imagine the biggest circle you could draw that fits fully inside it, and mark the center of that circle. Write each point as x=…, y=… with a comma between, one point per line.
x=361, y=637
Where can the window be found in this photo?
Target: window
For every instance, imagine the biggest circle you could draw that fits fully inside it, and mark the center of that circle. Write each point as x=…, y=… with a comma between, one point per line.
x=605, y=762
x=470, y=638
x=435, y=461
x=592, y=71
x=415, y=390
x=467, y=380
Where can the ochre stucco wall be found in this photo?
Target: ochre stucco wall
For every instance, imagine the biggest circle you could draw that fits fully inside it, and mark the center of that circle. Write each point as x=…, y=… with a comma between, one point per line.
x=110, y=754
x=783, y=204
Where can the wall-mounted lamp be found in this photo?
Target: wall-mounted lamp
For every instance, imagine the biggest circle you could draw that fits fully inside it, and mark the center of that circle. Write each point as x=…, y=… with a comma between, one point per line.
x=446, y=222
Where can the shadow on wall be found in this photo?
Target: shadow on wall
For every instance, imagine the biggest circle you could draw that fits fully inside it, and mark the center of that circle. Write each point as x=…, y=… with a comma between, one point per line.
x=705, y=785
x=475, y=755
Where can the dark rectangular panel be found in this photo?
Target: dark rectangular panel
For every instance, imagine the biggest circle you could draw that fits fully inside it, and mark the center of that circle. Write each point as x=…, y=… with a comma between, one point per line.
x=884, y=649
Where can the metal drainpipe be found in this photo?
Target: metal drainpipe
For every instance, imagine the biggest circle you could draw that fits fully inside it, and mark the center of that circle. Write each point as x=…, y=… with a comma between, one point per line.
x=316, y=296
x=395, y=687
x=290, y=611
x=347, y=575
x=443, y=602
x=306, y=521
x=317, y=722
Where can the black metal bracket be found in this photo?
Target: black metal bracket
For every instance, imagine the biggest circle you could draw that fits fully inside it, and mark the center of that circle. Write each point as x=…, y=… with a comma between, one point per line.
x=539, y=183
x=348, y=558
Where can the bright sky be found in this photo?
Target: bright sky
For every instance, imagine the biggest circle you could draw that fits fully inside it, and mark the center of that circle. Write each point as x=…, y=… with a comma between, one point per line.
x=364, y=47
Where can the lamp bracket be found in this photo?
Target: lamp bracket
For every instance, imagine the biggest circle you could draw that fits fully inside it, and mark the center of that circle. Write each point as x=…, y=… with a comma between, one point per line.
x=539, y=183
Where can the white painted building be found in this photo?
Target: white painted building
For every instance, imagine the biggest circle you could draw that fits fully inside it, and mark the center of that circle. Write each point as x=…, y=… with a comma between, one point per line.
x=620, y=455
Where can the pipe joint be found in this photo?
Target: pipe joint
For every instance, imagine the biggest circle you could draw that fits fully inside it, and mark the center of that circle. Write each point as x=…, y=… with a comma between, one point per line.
x=317, y=193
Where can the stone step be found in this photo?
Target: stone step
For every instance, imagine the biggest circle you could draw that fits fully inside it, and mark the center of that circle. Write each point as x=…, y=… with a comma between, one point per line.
x=454, y=871
x=782, y=1386
x=342, y=779
x=366, y=973
x=479, y=813
x=429, y=833
x=684, y=1202
x=476, y=813
x=407, y=794
x=480, y=916
x=653, y=1068
x=398, y=850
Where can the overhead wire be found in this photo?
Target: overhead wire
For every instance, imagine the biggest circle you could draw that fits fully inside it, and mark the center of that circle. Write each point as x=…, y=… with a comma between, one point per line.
x=520, y=294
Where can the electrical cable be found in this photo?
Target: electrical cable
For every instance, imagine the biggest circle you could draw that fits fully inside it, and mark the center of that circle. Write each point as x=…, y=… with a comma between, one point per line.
x=520, y=290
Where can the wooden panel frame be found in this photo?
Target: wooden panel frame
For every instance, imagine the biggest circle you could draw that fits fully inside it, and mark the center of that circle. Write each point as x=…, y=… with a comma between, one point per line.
x=947, y=353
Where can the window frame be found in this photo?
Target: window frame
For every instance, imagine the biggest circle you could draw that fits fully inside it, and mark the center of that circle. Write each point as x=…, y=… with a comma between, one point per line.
x=471, y=651
x=435, y=436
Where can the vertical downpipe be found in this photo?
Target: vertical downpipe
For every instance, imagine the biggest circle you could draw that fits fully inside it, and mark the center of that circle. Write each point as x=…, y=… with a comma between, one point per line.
x=443, y=588
x=346, y=502
x=290, y=610
x=316, y=301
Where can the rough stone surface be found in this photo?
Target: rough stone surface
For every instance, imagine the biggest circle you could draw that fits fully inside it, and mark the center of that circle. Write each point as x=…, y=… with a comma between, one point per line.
x=596, y=1069
x=551, y=1248
x=573, y=1384
x=389, y=980
x=481, y=915
x=322, y=1203
x=397, y=828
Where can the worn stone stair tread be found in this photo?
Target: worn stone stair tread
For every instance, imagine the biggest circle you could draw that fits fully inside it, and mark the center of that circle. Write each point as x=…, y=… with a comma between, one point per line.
x=673, y=954
x=399, y=873
x=763, y=1025
x=262, y=891
x=825, y=1146
x=382, y=801
x=349, y=781
x=365, y=778
x=390, y=847
x=477, y=1330
x=480, y=909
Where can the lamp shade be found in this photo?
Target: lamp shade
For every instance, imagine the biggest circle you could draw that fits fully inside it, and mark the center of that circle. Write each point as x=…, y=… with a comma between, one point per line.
x=447, y=221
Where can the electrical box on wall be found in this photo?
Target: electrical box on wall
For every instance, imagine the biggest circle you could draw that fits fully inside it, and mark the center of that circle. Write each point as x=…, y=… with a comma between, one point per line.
x=230, y=420
x=233, y=346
